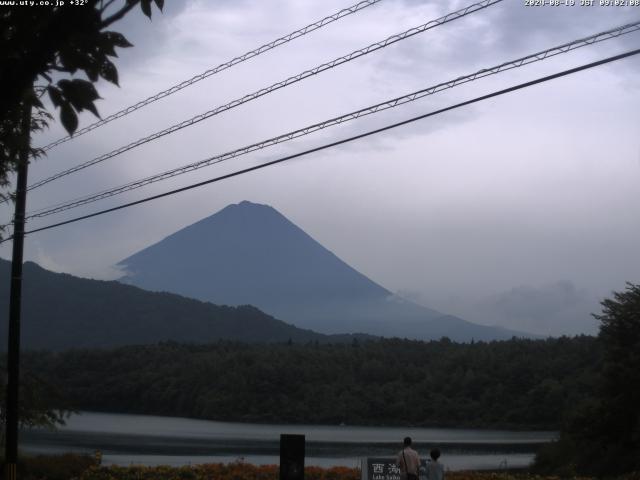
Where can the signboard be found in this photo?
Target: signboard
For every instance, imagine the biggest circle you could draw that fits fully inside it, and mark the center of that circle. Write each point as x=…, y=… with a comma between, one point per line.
x=385, y=468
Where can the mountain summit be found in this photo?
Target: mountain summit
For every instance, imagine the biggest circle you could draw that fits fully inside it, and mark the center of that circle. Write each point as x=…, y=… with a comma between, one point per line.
x=251, y=254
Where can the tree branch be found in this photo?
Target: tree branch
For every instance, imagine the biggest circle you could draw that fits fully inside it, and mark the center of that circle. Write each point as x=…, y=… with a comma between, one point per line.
x=104, y=7
x=117, y=16
x=58, y=69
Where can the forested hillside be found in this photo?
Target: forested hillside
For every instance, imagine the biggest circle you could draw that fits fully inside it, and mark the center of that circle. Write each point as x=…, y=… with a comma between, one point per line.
x=61, y=311
x=518, y=383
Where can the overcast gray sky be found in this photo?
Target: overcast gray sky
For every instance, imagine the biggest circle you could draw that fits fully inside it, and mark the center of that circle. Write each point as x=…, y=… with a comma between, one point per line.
x=521, y=211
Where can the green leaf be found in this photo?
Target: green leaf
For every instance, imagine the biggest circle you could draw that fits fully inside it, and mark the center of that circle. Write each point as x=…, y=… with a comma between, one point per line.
x=92, y=72
x=92, y=108
x=64, y=84
x=85, y=89
x=55, y=95
x=68, y=118
x=159, y=4
x=69, y=60
x=81, y=94
x=146, y=7
x=117, y=39
x=109, y=72
x=107, y=47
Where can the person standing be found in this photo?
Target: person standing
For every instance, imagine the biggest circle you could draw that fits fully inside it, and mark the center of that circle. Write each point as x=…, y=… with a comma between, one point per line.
x=435, y=470
x=408, y=461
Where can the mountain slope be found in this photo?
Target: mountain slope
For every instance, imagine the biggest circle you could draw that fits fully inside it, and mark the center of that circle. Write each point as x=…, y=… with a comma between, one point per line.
x=251, y=254
x=61, y=311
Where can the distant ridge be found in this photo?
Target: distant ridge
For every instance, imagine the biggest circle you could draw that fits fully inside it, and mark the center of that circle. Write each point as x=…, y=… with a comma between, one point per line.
x=61, y=311
x=249, y=253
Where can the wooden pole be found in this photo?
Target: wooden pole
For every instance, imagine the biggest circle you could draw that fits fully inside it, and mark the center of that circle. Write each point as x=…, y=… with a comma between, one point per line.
x=13, y=356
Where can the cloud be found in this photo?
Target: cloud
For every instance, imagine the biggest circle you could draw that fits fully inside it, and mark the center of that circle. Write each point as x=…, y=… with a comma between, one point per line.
x=45, y=260
x=553, y=309
x=524, y=189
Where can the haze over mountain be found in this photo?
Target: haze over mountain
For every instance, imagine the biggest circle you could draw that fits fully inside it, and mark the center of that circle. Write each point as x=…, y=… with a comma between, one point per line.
x=61, y=311
x=251, y=254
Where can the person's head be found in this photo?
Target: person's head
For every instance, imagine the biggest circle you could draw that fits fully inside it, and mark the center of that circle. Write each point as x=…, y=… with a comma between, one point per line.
x=435, y=453
x=407, y=441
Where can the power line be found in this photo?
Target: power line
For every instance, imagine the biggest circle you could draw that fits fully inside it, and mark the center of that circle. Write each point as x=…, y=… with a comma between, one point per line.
x=535, y=57
x=223, y=66
x=343, y=141
x=276, y=86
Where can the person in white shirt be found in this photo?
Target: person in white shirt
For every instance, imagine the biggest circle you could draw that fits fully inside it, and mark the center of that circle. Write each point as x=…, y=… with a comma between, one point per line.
x=435, y=470
x=408, y=461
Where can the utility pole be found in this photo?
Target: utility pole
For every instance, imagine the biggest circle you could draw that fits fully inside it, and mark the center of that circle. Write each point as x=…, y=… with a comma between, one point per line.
x=13, y=357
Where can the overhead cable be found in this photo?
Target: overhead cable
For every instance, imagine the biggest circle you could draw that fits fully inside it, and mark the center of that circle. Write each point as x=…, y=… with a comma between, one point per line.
x=223, y=66
x=276, y=86
x=340, y=142
x=535, y=57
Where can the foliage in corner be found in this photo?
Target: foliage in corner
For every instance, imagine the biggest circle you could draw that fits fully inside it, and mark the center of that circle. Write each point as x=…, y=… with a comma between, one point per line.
x=603, y=437
x=43, y=50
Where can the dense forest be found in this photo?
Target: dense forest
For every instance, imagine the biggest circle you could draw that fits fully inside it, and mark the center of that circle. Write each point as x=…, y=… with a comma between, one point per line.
x=602, y=435
x=515, y=384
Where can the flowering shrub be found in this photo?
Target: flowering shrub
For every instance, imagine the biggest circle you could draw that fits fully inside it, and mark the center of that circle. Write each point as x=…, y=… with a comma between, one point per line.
x=247, y=471
x=217, y=471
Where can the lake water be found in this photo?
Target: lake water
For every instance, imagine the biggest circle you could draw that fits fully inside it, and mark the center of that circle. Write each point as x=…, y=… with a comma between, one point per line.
x=152, y=440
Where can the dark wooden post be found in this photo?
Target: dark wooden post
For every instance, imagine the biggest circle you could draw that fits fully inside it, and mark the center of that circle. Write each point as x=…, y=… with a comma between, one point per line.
x=13, y=356
x=291, y=457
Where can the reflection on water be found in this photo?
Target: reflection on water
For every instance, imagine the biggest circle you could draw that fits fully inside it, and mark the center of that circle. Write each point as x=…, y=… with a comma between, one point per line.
x=151, y=440
x=186, y=427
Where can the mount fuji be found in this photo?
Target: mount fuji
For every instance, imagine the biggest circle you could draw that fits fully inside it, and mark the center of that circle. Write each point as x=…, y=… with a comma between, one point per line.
x=249, y=253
